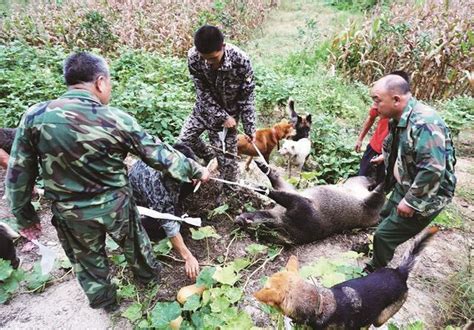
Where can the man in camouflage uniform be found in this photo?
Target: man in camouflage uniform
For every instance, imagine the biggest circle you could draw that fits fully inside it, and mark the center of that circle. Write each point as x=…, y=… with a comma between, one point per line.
x=80, y=144
x=161, y=192
x=419, y=160
x=224, y=82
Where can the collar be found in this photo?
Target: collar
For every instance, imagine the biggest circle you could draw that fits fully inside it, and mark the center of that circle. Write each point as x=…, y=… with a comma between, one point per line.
x=403, y=122
x=80, y=94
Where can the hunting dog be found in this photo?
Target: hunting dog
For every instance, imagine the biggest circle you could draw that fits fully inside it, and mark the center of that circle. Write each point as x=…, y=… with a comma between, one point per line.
x=314, y=213
x=361, y=302
x=296, y=153
x=266, y=140
x=302, y=124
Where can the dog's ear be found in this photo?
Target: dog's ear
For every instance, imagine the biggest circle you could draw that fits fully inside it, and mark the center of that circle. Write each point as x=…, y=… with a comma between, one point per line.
x=291, y=110
x=292, y=265
x=269, y=296
x=308, y=119
x=284, y=121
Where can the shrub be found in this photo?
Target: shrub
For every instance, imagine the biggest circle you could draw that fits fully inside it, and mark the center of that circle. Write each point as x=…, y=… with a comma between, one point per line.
x=163, y=26
x=431, y=40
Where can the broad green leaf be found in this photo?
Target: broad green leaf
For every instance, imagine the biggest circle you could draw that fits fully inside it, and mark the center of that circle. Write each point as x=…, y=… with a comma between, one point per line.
x=239, y=264
x=204, y=232
x=3, y=296
x=126, y=291
x=65, y=263
x=133, y=312
x=192, y=303
x=329, y=280
x=219, y=304
x=274, y=251
x=205, y=277
x=254, y=249
x=219, y=210
x=163, y=313
x=211, y=321
x=119, y=260
x=233, y=294
x=143, y=324
x=5, y=269
x=163, y=247
x=12, y=283
x=226, y=275
x=248, y=207
x=35, y=279
x=206, y=297
x=241, y=321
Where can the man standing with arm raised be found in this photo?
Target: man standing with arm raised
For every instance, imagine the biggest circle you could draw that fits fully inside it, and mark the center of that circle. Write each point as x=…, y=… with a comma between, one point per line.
x=80, y=143
x=224, y=82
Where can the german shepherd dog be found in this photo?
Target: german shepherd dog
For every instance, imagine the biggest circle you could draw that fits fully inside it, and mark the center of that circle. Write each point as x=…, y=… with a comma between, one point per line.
x=302, y=124
x=361, y=302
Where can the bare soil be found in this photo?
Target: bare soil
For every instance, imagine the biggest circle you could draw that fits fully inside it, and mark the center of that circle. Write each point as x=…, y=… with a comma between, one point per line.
x=63, y=304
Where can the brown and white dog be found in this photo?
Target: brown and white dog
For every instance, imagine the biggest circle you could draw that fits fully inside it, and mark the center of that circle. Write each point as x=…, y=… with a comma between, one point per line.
x=266, y=140
x=361, y=302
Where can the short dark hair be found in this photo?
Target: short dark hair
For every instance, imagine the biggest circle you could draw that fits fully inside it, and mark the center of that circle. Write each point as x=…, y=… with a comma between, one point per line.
x=402, y=74
x=208, y=39
x=84, y=67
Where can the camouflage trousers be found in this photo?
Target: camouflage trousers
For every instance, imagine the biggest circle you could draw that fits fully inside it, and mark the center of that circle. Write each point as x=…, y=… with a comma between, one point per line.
x=394, y=229
x=190, y=135
x=84, y=244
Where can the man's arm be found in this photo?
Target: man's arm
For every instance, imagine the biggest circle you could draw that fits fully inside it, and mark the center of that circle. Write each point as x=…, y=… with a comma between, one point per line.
x=209, y=108
x=430, y=162
x=191, y=264
x=369, y=121
x=21, y=176
x=246, y=101
x=162, y=156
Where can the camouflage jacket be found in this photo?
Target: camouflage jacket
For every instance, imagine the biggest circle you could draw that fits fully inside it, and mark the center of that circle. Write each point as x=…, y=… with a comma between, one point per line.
x=80, y=145
x=157, y=191
x=227, y=91
x=425, y=159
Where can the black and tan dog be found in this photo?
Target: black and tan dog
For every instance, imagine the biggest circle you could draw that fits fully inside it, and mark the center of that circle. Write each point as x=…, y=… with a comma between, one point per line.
x=361, y=302
x=302, y=124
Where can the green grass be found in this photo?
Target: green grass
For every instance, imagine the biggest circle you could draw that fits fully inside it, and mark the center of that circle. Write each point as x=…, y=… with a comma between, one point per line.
x=295, y=26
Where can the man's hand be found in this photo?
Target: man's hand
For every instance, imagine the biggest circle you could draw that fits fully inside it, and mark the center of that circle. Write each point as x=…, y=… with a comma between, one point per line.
x=250, y=138
x=404, y=210
x=230, y=122
x=204, y=178
x=191, y=267
x=358, y=145
x=377, y=160
x=32, y=232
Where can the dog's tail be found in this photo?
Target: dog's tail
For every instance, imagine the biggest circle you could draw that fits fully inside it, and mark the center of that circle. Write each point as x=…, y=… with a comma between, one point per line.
x=409, y=258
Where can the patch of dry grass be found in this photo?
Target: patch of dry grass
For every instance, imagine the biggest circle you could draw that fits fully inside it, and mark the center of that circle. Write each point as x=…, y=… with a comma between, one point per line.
x=165, y=26
x=432, y=40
